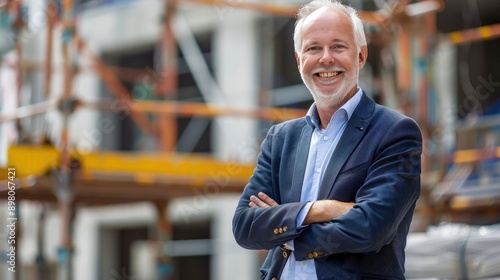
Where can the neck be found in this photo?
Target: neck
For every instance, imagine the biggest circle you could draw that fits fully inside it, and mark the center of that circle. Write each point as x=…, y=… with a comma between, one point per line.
x=325, y=113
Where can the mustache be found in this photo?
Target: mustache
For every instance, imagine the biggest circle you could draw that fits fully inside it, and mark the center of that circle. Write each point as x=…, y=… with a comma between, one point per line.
x=327, y=69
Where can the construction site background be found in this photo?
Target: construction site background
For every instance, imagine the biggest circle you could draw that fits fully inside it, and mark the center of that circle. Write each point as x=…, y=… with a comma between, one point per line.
x=128, y=129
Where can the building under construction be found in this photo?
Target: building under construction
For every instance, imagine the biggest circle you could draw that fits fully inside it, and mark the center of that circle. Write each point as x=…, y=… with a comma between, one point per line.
x=128, y=128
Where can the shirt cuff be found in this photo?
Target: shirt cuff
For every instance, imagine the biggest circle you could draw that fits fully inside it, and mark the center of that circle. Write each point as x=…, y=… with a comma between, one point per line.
x=303, y=213
x=300, y=219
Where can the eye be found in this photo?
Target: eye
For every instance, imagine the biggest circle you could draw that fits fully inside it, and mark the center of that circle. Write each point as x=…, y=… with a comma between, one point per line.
x=313, y=48
x=338, y=47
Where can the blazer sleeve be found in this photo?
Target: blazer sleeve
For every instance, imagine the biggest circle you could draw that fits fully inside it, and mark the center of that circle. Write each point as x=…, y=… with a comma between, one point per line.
x=384, y=203
x=265, y=228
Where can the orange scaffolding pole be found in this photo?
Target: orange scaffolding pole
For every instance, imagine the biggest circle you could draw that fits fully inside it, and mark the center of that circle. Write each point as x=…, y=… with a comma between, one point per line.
x=482, y=33
x=51, y=21
x=168, y=83
x=125, y=100
x=210, y=110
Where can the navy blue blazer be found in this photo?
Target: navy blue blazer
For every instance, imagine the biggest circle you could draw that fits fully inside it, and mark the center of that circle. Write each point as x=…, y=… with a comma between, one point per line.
x=376, y=165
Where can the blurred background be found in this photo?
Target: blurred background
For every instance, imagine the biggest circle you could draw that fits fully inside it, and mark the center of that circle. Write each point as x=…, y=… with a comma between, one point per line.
x=132, y=127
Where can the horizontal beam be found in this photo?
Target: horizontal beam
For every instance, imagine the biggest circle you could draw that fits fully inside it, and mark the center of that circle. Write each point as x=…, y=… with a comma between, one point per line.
x=483, y=33
x=116, y=190
x=28, y=111
x=113, y=177
x=163, y=107
x=475, y=155
x=212, y=110
x=262, y=7
x=161, y=168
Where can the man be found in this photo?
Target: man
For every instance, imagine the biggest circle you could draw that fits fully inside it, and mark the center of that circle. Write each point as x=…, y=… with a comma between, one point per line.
x=333, y=193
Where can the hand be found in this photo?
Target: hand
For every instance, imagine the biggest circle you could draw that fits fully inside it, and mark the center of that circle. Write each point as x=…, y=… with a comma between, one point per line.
x=262, y=200
x=326, y=210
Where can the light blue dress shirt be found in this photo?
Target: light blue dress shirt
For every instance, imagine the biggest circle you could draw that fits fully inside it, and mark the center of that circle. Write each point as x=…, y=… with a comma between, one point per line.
x=323, y=143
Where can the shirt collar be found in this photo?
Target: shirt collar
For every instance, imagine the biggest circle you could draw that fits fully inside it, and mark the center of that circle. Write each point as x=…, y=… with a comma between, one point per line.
x=312, y=116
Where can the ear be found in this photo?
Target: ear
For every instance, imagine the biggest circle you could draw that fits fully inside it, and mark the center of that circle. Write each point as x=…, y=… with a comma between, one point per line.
x=297, y=57
x=363, y=55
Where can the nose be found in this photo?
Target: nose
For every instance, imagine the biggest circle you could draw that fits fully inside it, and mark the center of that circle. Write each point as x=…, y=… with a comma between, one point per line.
x=326, y=57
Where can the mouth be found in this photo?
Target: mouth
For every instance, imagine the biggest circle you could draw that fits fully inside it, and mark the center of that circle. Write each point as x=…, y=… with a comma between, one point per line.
x=327, y=74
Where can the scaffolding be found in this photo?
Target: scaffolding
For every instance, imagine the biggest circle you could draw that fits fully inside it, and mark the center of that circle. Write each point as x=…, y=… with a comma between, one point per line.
x=67, y=177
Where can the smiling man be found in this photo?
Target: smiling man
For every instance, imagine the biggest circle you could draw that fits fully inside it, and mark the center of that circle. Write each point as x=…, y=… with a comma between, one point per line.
x=333, y=193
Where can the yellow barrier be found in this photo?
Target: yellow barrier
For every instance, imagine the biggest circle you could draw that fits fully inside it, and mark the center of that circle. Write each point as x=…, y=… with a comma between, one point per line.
x=33, y=160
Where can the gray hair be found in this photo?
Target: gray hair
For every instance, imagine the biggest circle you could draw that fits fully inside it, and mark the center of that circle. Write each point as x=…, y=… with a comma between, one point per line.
x=306, y=10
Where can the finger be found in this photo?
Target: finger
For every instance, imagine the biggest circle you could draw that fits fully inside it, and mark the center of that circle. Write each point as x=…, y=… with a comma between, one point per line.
x=259, y=203
x=268, y=200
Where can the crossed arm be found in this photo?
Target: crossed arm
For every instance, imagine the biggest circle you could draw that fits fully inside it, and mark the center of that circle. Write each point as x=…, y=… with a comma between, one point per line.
x=384, y=199
x=321, y=210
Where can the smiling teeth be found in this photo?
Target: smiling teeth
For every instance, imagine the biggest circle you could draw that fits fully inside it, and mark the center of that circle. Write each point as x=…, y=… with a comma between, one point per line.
x=328, y=74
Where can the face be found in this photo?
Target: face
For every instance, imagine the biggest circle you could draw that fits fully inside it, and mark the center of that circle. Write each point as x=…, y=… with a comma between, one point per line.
x=329, y=60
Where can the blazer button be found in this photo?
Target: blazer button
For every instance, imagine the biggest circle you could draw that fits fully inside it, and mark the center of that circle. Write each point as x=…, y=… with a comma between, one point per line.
x=285, y=254
x=276, y=231
x=315, y=254
x=310, y=256
x=281, y=230
x=274, y=278
x=285, y=228
x=320, y=253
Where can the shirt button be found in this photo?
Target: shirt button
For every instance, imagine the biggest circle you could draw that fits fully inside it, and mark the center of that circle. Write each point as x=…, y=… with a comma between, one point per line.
x=325, y=138
x=318, y=170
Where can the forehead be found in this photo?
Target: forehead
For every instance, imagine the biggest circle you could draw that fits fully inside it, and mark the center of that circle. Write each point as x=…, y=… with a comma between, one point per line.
x=327, y=20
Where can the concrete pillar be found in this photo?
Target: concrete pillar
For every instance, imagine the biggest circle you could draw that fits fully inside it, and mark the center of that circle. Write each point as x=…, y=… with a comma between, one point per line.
x=236, y=62
x=447, y=92
x=229, y=260
x=165, y=268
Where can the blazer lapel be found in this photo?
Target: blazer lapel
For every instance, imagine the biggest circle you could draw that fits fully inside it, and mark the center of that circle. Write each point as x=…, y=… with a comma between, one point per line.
x=299, y=167
x=353, y=133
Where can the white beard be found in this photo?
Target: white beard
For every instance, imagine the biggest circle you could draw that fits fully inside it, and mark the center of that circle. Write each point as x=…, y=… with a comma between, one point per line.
x=331, y=99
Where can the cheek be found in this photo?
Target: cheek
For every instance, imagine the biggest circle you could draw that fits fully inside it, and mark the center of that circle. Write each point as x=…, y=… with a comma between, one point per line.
x=349, y=61
x=307, y=63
